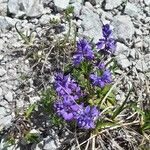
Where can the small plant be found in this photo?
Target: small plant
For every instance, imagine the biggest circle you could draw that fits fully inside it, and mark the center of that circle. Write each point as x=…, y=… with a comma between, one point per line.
x=28, y=37
x=81, y=88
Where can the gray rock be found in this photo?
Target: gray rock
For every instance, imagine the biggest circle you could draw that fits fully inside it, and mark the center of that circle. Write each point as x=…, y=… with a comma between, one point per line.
x=6, y=22
x=91, y=24
x=3, y=7
x=133, y=53
x=112, y=4
x=123, y=61
x=30, y=8
x=1, y=92
x=2, y=71
x=45, y=19
x=77, y=8
x=96, y=2
x=76, y=1
x=147, y=2
x=131, y=10
x=141, y=66
x=122, y=49
x=9, y=96
x=147, y=60
x=61, y=4
x=1, y=44
x=50, y=143
x=123, y=28
x=147, y=11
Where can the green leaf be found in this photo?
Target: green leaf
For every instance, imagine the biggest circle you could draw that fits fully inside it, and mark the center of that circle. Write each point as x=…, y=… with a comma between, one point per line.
x=31, y=138
x=30, y=110
x=105, y=124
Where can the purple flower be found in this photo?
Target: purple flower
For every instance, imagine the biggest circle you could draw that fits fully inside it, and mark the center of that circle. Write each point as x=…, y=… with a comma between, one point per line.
x=100, y=65
x=87, y=118
x=103, y=80
x=106, y=77
x=107, y=44
x=65, y=86
x=84, y=51
x=106, y=31
x=67, y=108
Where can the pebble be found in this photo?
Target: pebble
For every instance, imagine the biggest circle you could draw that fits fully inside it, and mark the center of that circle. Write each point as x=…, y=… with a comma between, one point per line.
x=9, y=96
x=91, y=24
x=123, y=28
x=2, y=71
x=131, y=10
x=61, y=4
x=123, y=61
x=112, y=4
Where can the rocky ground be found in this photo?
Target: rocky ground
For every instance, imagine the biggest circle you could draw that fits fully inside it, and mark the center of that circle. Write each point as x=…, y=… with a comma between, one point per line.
x=22, y=61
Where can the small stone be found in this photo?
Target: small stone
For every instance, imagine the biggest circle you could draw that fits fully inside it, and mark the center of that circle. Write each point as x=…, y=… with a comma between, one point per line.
x=3, y=7
x=141, y=66
x=131, y=10
x=77, y=9
x=50, y=143
x=7, y=23
x=133, y=53
x=1, y=44
x=1, y=92
x=30, y=8
x=91, y=24
x=76, y=1
x=147, y=2
x=2, y=71
x=111, y=4
x=147, y=11
x=122, y=49
x=45, y=19
x=123, y=61
x=123, y=28
x=9, y=96
x=61, y=4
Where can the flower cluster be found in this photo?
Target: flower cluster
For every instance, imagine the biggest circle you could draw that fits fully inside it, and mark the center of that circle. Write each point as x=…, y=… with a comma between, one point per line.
x=67, y=106
x=84, y=51
x=103, y=80
x=107, y=44
x=72, y=104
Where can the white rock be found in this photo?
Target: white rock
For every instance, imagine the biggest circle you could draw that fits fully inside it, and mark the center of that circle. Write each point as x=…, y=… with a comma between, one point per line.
x=141, y=66
x=123, y=61
x=76, y=1
x=147, y=11
x=147, y=2
x=91, y=24
x=31, y=8
x=133, y=53
x=5, y=121
x=6, y=22
x=131, y=9
x=61, y=4
x=50, y=143
x=3, y=7
x=110, y=4
x=123, y=28
x=122, y=49
x=77, y=9
x=9, y=96
x=45, y=19
x=2, y=71
x=1, y=44
x=1, y=92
